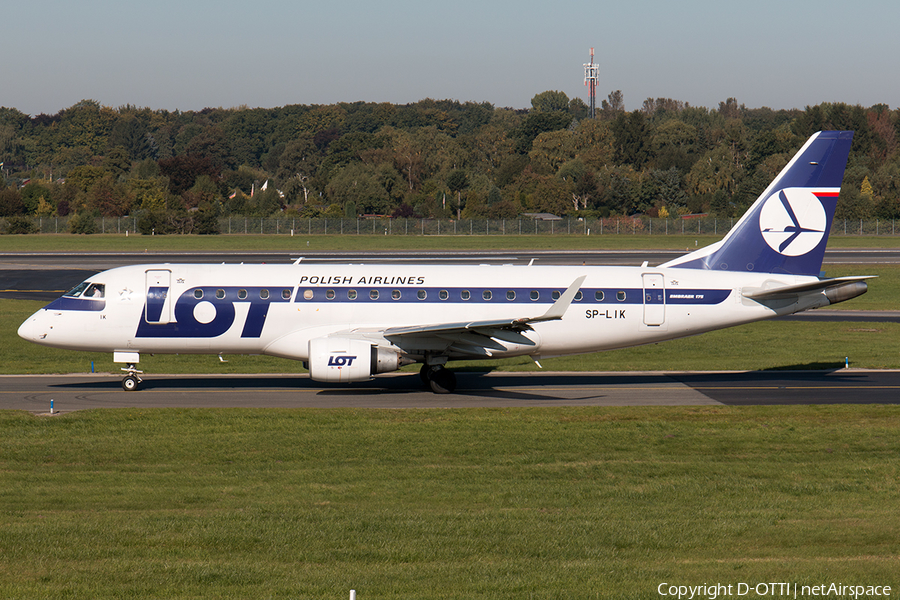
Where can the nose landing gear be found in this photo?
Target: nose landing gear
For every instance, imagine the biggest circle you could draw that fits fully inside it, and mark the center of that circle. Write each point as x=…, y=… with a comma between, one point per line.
x=132, y=378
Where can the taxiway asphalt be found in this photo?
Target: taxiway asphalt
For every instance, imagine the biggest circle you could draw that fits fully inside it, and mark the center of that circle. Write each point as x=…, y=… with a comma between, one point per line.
x=475, y=389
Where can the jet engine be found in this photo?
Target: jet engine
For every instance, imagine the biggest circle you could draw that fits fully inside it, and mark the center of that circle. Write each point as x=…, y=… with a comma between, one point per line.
x=335, y=359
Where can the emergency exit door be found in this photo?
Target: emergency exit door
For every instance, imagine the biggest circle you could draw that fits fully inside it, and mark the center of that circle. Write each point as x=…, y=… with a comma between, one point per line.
x=654, y=299
x=158, y=307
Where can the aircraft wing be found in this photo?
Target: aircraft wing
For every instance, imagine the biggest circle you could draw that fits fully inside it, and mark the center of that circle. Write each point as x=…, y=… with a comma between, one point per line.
x=479, y=338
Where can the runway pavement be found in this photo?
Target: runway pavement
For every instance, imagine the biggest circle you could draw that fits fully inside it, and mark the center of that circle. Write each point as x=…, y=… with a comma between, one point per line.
x=396, y=391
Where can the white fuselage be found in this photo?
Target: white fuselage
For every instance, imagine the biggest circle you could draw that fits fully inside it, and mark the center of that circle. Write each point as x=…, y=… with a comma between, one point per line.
x=278, y=309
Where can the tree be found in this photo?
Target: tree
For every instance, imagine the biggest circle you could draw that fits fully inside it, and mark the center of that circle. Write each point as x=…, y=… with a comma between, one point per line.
x=84, y=177
x=612, y=106
x=358, y=183
x=109, y=198
x=673, y=145
x=31, y=196
x=457, y=181
x=714, y=172
x=297, y=166
x=212, y=144
x=631, y=139
x=83, y=222
x=866, y=189
x=537, y=123
x=730, y=109
x=183, y=171
x=86, y=124
x=10, y=203
x=131, y=135
x=117, y=162
x=578, y=108
x=593, y=143
x=552, y=195
x=551, y=149
x=20, y=225
x=550, y=101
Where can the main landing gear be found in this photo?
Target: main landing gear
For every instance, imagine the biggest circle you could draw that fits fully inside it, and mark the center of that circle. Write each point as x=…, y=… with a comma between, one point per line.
x=438, y=378
x=132, y=378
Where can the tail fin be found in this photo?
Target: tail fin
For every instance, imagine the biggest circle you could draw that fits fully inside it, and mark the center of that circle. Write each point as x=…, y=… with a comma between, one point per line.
x=786, y=229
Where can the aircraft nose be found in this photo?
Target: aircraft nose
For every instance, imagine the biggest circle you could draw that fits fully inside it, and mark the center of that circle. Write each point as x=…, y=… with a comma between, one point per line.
x=28, y=329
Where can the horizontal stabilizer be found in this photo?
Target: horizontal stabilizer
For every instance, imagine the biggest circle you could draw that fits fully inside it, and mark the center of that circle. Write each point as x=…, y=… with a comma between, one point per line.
x=789, y=291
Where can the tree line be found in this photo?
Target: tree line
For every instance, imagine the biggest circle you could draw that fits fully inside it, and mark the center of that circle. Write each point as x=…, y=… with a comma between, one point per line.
x=180, y=171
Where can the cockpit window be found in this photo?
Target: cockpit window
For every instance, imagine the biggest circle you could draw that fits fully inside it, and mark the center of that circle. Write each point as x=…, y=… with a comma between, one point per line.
x=76, y=291
x=86, y=289
x=95, y=290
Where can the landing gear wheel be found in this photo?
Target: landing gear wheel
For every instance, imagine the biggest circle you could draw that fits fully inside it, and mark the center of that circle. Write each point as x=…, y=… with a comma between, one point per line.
x=132, y=378
x=423, y=374
x=441, y=380
x=130, y=383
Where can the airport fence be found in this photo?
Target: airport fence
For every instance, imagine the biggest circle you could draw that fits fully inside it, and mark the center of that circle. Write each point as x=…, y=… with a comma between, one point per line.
x=450, y=227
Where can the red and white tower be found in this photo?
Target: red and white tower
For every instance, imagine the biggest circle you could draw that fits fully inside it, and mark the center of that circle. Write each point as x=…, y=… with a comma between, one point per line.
x=591, y=75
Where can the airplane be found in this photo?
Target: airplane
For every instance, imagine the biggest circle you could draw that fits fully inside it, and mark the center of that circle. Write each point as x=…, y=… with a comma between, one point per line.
x=350, y=322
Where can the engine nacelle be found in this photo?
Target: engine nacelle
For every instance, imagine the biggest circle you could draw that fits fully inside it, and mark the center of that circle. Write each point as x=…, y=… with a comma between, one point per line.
x=846, y=291
x=335, y=359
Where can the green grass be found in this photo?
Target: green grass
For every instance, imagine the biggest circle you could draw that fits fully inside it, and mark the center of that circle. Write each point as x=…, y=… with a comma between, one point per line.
x=480, y=503
x=883, y=294
x=353, y=243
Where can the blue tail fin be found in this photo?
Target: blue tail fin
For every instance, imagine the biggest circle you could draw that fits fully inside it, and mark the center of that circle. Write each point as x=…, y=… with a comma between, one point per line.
x=786, y=229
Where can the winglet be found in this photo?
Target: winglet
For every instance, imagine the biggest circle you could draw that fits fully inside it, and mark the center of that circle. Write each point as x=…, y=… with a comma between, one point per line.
x=559, y=307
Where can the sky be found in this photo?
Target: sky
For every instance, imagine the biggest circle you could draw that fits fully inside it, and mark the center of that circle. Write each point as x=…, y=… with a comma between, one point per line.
x=191, y=54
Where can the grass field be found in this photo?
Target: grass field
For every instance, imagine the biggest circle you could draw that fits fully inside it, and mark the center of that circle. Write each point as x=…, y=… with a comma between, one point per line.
x=486, y=503
x=352, y=243
x=480, y=503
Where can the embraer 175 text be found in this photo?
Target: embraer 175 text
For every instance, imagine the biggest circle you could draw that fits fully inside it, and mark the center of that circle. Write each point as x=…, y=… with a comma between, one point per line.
x=348, y=323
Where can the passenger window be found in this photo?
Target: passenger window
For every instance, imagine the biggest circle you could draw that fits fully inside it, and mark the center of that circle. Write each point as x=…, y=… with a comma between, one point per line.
x=510, y=295
x=220, y=294
x=598, y=295
x=351, y=294
x=286, y=294
x=242, y=294
x=264, y=294
x=535, y=295
x=307, y=294
x=465, y=295
x=620, y=296
x=373, y=294
x=395, y=295
x=422, y=294
x=555, y=295
x=487, y=295
x=443, y=294
x=578, y=296
x=329, y=295
x=198, y=294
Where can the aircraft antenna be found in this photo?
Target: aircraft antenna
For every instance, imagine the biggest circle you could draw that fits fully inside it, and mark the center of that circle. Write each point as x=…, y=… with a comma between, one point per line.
x=591, y=75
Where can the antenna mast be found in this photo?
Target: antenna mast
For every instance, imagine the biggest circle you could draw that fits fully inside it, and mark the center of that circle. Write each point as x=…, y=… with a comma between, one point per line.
x=591, y=75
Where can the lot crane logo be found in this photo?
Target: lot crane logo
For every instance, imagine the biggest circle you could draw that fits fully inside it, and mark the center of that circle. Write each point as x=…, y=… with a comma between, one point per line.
x=793, y=221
